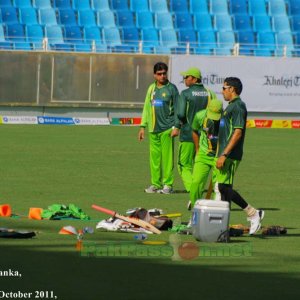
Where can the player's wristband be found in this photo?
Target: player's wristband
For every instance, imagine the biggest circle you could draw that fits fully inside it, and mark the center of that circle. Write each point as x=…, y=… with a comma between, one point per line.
x=224, y=154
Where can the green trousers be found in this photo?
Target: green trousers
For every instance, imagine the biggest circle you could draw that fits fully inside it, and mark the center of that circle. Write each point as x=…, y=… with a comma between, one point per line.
x=161, y=158
x=186, y=154
x=203, y=166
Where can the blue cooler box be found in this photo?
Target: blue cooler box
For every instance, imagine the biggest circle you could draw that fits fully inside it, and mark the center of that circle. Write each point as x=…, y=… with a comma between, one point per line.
x=210, y=220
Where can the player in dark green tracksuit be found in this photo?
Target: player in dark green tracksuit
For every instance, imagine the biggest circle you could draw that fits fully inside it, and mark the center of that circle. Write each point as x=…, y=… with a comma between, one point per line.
x=231, y=140
x=191, y=100
x=160, y=118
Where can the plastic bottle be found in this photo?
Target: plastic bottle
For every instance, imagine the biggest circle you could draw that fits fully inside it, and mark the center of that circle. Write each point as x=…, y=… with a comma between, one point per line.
x=140, y=237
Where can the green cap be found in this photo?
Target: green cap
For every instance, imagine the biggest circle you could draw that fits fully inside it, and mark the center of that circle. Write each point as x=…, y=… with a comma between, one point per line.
x=214, y=109
x=195, y=72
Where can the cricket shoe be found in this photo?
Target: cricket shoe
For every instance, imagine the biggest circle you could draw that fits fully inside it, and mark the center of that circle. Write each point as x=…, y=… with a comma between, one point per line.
x=152, y=189
x=189, y=205
x=255, y=221
x=166, y=190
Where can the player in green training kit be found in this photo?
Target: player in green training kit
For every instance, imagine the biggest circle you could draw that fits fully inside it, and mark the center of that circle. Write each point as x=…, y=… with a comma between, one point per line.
x=205, y=135
x=191, y=100
x=230, y=152
x=160, y=118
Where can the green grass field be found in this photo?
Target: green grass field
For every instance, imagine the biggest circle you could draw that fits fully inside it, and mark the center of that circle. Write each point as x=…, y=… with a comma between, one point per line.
x=43, y=165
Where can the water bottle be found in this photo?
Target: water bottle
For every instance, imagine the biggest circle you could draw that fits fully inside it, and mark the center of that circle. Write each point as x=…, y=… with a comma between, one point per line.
x=140, y=237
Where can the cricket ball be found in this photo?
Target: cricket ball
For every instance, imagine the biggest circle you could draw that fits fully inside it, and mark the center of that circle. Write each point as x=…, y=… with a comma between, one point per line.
x=188, y=250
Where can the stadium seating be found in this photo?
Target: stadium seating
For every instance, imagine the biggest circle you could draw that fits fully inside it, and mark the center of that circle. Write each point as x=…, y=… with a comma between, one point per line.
x=162, y=25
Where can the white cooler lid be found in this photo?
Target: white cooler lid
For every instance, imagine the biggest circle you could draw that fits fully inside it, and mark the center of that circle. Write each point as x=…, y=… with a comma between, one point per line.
x=211, y=203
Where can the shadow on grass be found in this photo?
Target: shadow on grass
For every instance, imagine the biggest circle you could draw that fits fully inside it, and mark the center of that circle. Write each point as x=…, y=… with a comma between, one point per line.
x=71, y=276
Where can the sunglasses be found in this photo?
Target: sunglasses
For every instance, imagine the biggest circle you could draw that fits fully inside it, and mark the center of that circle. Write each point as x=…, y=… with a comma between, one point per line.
x=226, y=87
x=161, y=73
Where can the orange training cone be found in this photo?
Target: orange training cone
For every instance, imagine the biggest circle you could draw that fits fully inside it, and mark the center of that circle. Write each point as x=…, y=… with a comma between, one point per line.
x=5, y=210
x=35, y=213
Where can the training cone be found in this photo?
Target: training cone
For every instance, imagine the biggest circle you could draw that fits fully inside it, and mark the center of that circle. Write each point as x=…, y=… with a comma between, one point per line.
x=5, y=210
x=35, y=213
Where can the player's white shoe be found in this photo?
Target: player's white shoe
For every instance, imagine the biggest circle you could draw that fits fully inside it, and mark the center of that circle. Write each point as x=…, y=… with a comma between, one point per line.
x=152, y=189
x=166, y=190
x=255, y=221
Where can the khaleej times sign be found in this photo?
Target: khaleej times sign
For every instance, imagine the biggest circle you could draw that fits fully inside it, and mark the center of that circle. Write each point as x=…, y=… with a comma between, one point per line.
x=269, y=84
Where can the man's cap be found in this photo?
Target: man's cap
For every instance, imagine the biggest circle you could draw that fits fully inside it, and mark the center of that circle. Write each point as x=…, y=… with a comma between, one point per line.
x=214, y=109
x=195, y=72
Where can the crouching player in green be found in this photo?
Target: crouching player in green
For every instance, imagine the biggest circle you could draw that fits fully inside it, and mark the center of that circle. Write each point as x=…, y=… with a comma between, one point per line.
x=162, y=122
x=230, y=151
x=191, y=100
x=205, y=135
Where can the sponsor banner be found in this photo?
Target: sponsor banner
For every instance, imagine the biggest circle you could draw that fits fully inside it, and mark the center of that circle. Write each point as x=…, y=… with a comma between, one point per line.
x=296, y=124
x=126, y=121
x=19, y=120
x=270, y=84
x=263, y=123
x=250, y=124
x=281, y=124
x=55, y=121
x=91, y=121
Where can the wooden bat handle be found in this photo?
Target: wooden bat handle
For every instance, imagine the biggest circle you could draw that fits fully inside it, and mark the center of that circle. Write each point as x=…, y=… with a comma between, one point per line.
x=104, y=210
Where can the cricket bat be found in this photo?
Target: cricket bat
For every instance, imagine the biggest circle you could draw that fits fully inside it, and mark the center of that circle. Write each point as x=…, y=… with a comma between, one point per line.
x=209, y=190
x=135, y=221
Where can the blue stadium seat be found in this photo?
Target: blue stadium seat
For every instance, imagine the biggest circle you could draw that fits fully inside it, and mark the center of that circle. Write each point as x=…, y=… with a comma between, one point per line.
x=9, y=15
x=82, y=47
x=238, y=7
x=24, y=46
x=6, y=46
x=247, y=42
x=198, y=7
x=41, y=4
x=277, y=7
x=183, y=20
x=100, y=5
x=139, y=5
x=242, y=23
x=6, y=3
x=22, y=3
x=144, y=19
x=54, y=34
x=218, y=7
x=163, y=20
x=281, y=24
x=222, y=23
x=207, y=43
x=92, y=34
x=149, y=37
x=295, y=23
x=294, y=7
x=261, y=23
x=168, y=38
x=2, y=37
x=73, y=34
x=35, y=34
x=15, y=33
x=130, y=36
x=162, y=50
x=28, y=16
x=86, y=18
x=81, y=4
x=257, y=8
x=112, y=36
x=62, y=4
x=187, y=36
x=225, y=42
x=106, y=19
x=62, y=47
x=177, y=6
x=297, y=40
x=158, y=6
x=67, y=17
x=47, y=16
x=125, y=18
x=266, y=44
x=119, y=5
x=203, y=22
x=284, y=39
